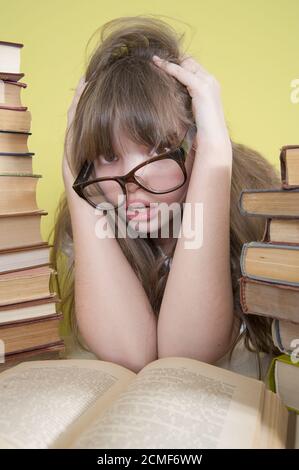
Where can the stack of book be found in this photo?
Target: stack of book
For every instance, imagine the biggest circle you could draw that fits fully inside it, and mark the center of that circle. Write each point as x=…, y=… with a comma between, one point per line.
x=269, y=285
x=29, y=323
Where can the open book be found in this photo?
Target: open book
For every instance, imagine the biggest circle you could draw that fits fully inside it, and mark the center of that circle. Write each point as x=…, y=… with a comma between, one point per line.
x=171, y=403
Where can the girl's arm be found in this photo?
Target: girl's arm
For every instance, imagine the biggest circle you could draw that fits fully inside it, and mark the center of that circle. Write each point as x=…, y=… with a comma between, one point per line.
x=112, y=309
x=196, y=318
x=196, y=315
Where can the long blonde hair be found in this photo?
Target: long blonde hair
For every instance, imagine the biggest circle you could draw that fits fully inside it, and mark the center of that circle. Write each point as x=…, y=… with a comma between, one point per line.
x=126, y=90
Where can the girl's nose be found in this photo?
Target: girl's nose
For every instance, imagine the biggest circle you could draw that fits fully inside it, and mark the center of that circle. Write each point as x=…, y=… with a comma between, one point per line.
x=132, y=187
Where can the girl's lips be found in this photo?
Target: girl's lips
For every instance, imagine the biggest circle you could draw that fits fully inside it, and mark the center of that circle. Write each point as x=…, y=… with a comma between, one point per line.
x=142, y=214
x=138, y=202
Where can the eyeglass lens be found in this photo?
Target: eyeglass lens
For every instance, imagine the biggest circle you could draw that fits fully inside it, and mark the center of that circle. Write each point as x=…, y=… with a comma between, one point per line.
x=160, y=176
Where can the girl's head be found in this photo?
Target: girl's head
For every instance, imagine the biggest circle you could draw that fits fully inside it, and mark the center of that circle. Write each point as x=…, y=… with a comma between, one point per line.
x=131, y=110
x=161, y=179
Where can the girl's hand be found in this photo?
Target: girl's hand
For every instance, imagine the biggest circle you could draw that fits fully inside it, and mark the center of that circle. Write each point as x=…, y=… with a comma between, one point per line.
x=66, y=172
x=204, y=90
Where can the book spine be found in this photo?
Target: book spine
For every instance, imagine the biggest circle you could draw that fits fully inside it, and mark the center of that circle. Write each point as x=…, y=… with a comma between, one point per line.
x=242, y=285
x=14, y=108
x=39, y=212
x=6, y=154
x=242, y=258
x=248, y=245
x=271, y=375
x=245, y=212
x=13, y=44
x=50, y=347
x=26, y=248
x=294, y=246
x=50, y=317
x=15, y=77
x=289, y=186
x=21, y=175
x=20, y=84
x=15, y=132
x=266, y=235
x=275, y=331
x=283, y=167
x=52, y=298
x=17, y=269
x=57, y=345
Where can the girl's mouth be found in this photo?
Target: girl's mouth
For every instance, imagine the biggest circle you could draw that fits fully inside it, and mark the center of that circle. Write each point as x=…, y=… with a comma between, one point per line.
x=142, y=213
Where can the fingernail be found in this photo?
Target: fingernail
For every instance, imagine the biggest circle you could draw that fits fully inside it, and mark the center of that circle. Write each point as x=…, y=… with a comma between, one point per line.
x=155, y=57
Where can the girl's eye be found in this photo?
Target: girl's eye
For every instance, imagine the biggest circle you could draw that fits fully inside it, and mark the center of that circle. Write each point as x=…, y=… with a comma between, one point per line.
x=161, y=149
x=109, y=158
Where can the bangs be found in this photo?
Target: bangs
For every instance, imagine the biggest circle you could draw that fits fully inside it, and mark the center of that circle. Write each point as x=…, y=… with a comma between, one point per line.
x=136, y=99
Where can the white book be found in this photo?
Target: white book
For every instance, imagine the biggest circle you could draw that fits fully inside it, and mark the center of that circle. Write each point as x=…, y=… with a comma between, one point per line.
x=10, y=56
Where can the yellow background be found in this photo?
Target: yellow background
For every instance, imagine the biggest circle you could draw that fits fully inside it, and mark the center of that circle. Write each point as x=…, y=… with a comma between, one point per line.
x=251, y=46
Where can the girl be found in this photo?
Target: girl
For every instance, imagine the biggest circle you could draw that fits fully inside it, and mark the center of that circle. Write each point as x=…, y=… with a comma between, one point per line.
x=126, y=304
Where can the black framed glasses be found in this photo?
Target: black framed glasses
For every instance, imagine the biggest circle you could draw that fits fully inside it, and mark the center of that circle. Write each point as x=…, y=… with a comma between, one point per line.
x=161, y=174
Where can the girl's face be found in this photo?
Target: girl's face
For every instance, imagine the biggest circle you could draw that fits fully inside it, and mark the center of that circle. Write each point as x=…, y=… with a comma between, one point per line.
x=164, y=207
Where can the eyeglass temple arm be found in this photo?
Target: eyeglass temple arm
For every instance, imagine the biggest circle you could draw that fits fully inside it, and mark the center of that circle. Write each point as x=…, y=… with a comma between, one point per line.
x=84, y=173
x=187, y=141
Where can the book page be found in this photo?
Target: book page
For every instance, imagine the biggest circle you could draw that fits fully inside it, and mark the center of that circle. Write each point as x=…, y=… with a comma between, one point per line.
x=286, y=381
x=180, y=403
x=45, y=401
x=272, y=431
